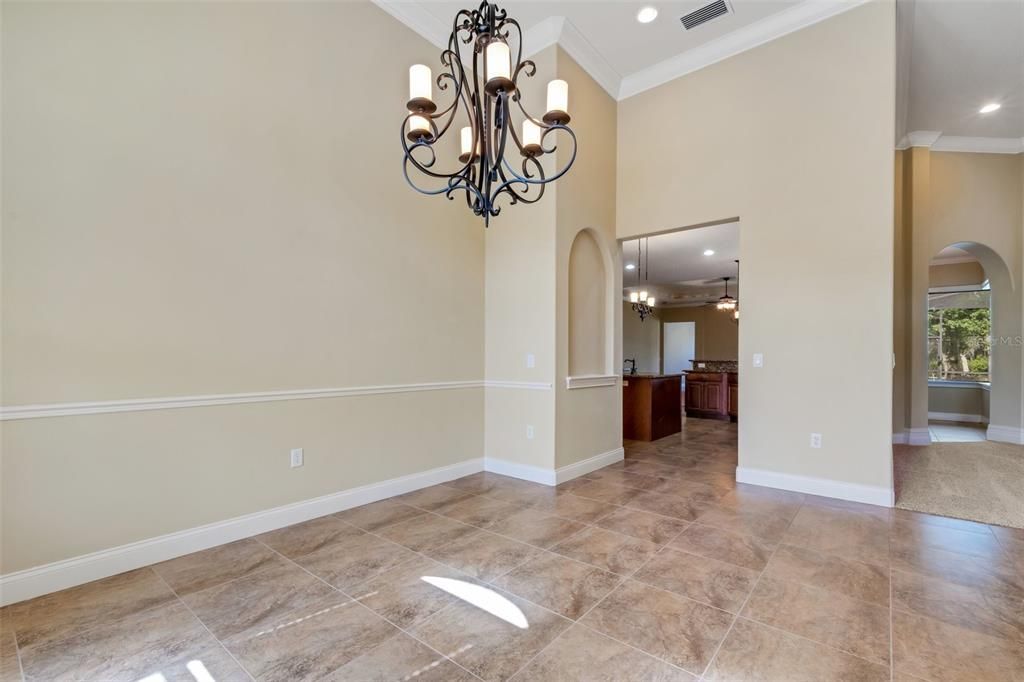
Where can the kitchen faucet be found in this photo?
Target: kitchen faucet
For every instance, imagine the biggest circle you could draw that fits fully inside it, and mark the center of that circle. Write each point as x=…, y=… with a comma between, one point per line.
x=632, y=361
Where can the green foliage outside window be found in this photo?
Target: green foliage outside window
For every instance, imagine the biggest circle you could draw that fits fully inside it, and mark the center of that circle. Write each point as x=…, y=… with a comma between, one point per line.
x=959, y=336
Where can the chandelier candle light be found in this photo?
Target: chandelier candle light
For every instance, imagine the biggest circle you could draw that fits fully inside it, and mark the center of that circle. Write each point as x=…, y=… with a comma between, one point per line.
x=496, y=156
x=642, y=304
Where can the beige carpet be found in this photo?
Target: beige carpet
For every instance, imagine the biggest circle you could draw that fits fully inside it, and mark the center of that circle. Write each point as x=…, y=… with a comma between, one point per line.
x=977, y=481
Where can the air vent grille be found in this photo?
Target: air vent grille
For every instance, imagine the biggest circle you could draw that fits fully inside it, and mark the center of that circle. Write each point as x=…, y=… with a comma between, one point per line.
x=704, y=14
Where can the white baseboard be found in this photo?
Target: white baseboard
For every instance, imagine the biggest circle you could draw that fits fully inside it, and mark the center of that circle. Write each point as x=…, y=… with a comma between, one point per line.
x=854, y=492
x=583, y=467
x=956, y=417
x=1005, y=434
x=526, y=472
x=900, y=438
x=919, y=436
x=33, y=582
x=529, y=472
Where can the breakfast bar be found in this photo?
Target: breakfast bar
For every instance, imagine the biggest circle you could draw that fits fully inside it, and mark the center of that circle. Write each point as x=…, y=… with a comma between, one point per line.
x=650, y=406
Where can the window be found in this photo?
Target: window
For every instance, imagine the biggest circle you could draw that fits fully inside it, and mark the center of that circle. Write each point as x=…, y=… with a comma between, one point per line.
x=959, y=334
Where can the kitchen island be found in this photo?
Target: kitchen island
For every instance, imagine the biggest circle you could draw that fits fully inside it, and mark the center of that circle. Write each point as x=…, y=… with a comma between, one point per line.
x=712, y=390
x=650, y=406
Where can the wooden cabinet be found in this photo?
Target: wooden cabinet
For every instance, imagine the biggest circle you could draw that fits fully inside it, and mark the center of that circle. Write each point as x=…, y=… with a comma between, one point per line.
x=650, y=407
x=712, y=395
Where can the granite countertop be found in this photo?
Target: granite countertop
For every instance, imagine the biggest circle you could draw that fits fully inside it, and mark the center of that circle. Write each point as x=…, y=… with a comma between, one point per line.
x=728, y=366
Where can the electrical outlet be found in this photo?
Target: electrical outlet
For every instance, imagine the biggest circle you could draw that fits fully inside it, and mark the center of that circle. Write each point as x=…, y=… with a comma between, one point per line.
x=296, y=457
x=531, y=361
x=758, y=360
x=815, y=440
x=529, y=431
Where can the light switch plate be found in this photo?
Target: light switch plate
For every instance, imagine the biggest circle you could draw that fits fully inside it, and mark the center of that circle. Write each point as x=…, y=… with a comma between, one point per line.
x=296, y=457
x=815, y=440
x=529, y=431
x=758, y=360
x=531, y=361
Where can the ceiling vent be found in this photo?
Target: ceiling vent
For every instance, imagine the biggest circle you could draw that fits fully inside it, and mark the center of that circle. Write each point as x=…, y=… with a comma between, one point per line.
x=703, y=15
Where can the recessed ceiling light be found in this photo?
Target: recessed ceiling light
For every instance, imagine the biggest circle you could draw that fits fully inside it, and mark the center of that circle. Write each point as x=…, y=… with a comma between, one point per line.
x=630, y=266
x=709, y=252
x=647, y=15
x=989, y=108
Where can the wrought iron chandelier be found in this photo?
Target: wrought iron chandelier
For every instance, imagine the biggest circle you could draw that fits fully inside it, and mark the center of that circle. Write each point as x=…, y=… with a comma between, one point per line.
x=726, y=302
x=495, y=159
x=642, y=304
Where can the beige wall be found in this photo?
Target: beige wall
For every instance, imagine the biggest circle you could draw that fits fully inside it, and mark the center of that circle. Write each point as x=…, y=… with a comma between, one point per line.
x=641, y=340
x=205, y=198
x=588, y=307
x=956, y=274
x=953, y=198
x=589, y=420
x=961, y=400
x=717, y=335
x=694, y=150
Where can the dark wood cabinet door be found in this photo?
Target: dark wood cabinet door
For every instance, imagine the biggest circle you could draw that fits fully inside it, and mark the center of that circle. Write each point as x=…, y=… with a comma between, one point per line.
x=734, y=400
x=714, y=399
x=694, y=395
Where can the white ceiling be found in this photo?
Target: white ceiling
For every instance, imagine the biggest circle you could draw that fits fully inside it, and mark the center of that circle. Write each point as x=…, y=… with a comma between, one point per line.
x=623, y=55
x=677, y=271
x=963, y=54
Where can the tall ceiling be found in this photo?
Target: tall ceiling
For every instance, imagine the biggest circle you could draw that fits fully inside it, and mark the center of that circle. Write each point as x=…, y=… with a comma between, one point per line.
x=960, y=55
x=623, y=55
x=673, y=266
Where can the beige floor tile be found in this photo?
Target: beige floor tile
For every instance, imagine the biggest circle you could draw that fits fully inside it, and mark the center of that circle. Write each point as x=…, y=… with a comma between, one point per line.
x=349, y=563
x=485, y=482
x=672, y=628
x=935, y=651
x=536, y=527
x=403, y=597
x=863, y=537
x=848, y=577
x=674, y=506
x=850, y=625
x=480, y=511
x=990, y=613
x=583, y=654
x=900, y=516
x=607, y=550
x=157, y=641
x=996, y=574
x=724, y=586
x=376, y=515
x=201, y=570
x=257, y=600
x=492, y=647
x=763, y=525
x=484, y=555
x=608, y=492
x=434, y=498
x=644, y=525
x=426, y=532
x=62, y=614
x=576, y=508
x=1004, y=534
x=747, y=551
x=400, y=658
x=309, y=642
x=561, y=585
x=10, y=668
x=910, y=534
x=756, y=653
x=303, y=538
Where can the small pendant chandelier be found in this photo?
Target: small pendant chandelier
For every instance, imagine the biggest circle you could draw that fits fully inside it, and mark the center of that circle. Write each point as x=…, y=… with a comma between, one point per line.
x=495, y=159
x=643, y=304
x=726, y=302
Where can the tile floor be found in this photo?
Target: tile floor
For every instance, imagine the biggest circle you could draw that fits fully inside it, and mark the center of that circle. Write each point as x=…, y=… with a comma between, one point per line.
x=660, y=567
x=956, y=432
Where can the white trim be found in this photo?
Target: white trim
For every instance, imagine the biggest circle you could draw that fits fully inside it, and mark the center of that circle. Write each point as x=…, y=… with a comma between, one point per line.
x=742, y=39
x=919, y=436
x=526, y=472
x=1005, y=434
x=945, y=383
x=899, y=438
x=957, y=417
x=583, y=467
x=521, y=385
x=854, y=492
x=32, y=582
x=591, y=380
x=419, y=19
x=938, y=142
x=169, y=403
x=561, y=31
x=175, y=402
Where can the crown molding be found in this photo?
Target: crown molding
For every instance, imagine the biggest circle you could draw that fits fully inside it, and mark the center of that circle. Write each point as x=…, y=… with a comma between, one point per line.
x=561, y=31
x=807, y=13
x=938, y=142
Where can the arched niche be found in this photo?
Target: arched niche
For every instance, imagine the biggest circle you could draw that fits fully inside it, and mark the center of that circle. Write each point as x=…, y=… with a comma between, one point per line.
x=591, y=319
x=1005, y=355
